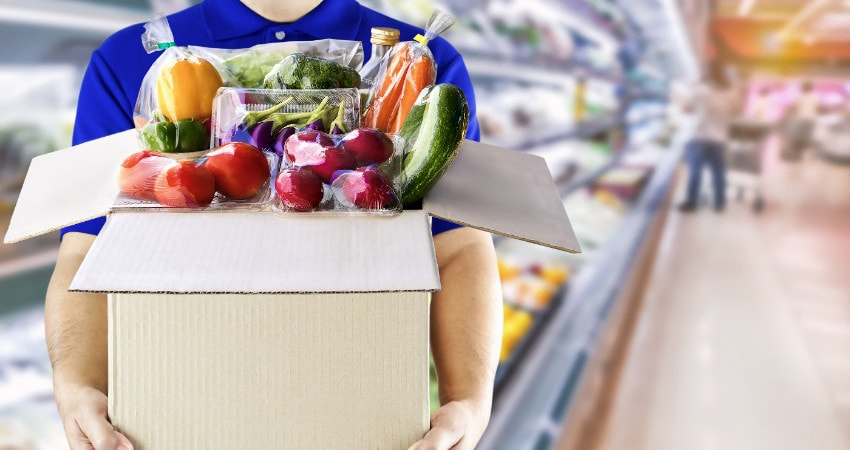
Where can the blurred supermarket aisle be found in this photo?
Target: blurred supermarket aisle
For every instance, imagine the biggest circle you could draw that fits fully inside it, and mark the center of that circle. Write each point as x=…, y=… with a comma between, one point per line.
x=743, y=341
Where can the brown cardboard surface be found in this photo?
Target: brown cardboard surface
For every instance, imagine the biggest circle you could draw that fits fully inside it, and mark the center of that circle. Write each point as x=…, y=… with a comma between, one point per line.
x=69, y=186
x=319, y=371
x=260, y=252
x=505, y=192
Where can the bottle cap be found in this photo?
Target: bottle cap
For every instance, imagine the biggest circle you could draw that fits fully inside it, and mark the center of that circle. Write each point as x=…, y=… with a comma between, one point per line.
x=384, y=36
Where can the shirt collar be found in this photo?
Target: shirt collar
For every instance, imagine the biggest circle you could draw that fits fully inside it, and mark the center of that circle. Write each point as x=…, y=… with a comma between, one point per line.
x=332, y=19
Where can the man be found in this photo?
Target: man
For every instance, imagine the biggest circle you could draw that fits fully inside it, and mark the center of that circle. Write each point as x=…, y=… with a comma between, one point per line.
x=713, y=102
x=466, y=314
x=800, y=124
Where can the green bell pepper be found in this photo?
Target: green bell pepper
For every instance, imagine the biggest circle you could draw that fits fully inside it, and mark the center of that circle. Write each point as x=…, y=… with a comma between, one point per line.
x=168, y=137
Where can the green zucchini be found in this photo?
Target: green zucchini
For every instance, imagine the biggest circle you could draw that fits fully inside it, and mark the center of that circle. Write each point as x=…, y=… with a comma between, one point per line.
x=432, y=134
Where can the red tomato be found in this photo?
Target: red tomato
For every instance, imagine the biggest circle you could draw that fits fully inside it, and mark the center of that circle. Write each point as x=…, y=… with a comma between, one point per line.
x=185, y=184
x=240, y=169
x=137, y=174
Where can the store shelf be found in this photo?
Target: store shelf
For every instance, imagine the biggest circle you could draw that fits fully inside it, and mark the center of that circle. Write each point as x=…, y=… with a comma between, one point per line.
x=530, y=408
x=531, y=71
x=583, y=130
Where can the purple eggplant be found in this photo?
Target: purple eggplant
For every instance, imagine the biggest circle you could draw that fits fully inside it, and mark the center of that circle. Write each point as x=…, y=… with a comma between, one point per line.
x=317, y=125
x=261, y=135
x=239, y=133
x=281, y=138
x=336, y=127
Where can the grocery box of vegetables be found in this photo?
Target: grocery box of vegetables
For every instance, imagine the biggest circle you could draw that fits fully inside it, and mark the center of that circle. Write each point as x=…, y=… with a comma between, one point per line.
x=247, y=312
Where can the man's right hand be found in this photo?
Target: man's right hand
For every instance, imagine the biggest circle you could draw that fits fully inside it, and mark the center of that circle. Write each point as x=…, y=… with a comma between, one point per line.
x=87, y=427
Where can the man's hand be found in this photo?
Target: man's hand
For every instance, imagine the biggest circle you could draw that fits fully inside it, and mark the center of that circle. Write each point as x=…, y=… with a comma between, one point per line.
x=76, y=332
x=454, y=426
x=466, y=335
x=83, y=411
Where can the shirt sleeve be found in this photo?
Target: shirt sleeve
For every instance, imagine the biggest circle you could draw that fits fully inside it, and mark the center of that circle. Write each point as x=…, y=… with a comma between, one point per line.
x=455, y=72
x=102, y=109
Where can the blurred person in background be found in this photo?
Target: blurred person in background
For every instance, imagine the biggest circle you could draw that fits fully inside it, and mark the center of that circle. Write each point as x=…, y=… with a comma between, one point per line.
x=762, y=107
x=466, y=315
x=800, y=123
x=714, y=103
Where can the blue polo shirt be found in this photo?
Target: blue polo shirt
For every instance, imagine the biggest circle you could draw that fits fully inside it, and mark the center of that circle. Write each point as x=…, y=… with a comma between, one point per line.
x=114, y=76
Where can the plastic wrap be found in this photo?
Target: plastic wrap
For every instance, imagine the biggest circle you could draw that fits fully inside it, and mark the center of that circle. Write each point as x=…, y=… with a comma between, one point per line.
x=405, y=71
x=174, y=106
x=304, y=71
x=249, y=67
x=266, y=117
x=230, y=176
x=328, y=163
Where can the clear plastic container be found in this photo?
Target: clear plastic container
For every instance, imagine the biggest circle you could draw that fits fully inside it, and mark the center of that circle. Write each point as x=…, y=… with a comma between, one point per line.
x=266, y=117
x=145, y=185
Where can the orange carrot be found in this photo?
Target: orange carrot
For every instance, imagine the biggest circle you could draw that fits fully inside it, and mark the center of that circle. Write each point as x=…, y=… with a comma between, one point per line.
x=385, y=102
x=419, y=76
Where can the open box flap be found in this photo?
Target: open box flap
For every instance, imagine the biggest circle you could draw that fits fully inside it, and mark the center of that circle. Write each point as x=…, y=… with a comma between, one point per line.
x=69, y=186
x=260, y=252
x=505, y=192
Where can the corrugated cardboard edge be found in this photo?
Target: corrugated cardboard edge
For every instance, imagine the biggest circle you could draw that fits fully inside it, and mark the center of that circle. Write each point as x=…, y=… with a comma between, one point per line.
x=487, y=184
x=87, y=190
x=48, y=230
x=329, y=258
x=508, y=235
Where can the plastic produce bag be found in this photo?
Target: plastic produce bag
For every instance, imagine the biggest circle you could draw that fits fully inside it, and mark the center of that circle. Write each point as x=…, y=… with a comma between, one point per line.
x=249, y=67
x=174, y=106
x=405, y=71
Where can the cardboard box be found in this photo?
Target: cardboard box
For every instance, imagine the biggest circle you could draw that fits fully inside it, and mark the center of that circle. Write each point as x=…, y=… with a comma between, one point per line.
x=247, y=329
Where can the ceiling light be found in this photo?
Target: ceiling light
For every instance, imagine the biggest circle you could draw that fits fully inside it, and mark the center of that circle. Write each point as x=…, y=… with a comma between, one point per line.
x=807, y=11
x=685, y=48
x=746, y=6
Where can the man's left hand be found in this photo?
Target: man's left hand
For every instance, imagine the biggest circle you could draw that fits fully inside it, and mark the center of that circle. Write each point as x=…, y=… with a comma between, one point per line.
x=456, y=426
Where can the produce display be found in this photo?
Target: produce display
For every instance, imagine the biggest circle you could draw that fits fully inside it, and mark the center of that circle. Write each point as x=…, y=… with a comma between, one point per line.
x=517, y=323
x=534, y=279
x=405, y=71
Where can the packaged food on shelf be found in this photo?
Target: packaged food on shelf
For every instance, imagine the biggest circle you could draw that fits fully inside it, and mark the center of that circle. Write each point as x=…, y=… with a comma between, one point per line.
x=405, y=71
x=232, y=175
x=517, y=323
x=623, y=181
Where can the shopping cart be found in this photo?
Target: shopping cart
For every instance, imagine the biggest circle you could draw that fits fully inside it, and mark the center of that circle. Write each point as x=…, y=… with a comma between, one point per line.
x=744, y=160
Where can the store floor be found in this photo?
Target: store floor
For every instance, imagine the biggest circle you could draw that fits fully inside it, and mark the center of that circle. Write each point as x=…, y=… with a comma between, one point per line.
x=743, y=337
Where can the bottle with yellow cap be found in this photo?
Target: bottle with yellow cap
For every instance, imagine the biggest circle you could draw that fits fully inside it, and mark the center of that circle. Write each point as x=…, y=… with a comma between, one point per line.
x=382, y=40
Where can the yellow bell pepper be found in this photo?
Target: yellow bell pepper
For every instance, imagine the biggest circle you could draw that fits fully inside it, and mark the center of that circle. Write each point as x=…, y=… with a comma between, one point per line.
x=185, y=89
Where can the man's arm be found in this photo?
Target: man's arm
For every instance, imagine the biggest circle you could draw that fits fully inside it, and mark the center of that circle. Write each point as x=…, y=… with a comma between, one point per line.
x=466, y=333
x=76, y=332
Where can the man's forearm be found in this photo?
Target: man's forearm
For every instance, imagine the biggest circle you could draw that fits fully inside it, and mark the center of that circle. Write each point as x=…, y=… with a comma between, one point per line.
x=466, y=317
x=75, y=323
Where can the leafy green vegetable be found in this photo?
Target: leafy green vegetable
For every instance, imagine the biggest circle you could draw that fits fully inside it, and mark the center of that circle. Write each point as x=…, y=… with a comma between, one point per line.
x=303, y=71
